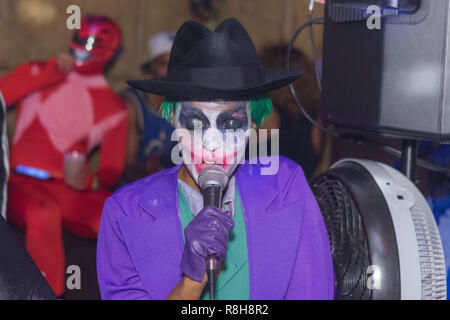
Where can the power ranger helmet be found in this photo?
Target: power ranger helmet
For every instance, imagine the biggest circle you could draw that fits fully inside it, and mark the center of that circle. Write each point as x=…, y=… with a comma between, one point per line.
x=95, y=44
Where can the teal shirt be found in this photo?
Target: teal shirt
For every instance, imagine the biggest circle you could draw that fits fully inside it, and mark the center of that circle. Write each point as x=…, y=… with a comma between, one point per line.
x=234, y=279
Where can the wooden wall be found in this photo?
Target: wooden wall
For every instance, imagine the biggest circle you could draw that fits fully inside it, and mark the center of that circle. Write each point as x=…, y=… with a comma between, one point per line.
x=36, y=29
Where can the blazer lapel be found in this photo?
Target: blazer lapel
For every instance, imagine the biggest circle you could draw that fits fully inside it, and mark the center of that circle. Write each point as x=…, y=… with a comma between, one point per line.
x=272, y=247
x=159, y=223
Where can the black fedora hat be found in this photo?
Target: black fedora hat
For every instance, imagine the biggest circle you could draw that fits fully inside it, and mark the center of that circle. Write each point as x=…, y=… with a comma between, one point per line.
x=220, y=64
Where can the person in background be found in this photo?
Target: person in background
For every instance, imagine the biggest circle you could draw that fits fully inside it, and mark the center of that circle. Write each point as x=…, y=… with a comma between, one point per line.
x=65, y=109
x=149, y=137
x=299, y=140
x=205, y=12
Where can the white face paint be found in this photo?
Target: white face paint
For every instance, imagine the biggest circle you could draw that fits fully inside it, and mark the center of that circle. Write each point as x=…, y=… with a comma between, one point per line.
x=212, y=133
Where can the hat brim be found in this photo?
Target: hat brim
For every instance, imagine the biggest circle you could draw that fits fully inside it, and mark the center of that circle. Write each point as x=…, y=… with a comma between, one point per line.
x=273, y=79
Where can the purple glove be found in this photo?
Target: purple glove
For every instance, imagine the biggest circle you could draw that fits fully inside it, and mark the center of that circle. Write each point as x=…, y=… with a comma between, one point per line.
x=206, y=235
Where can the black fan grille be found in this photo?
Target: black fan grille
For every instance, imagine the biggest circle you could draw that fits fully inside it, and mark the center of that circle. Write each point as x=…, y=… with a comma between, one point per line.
x=347, y=238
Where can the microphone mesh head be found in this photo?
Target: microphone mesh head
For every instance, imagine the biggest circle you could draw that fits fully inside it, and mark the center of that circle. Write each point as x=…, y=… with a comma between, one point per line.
x=213, y=176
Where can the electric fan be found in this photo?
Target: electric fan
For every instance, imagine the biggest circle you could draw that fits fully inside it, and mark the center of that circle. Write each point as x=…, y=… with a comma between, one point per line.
x=383, y=237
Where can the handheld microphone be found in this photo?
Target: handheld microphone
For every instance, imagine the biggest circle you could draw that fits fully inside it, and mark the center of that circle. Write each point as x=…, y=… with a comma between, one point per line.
x=212, y=180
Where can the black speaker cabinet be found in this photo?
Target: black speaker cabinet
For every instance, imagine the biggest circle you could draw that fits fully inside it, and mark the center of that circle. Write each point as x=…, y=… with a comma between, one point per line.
x=393, y=81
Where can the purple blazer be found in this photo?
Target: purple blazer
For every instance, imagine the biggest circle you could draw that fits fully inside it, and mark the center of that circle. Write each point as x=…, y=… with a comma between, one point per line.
x=140, y=242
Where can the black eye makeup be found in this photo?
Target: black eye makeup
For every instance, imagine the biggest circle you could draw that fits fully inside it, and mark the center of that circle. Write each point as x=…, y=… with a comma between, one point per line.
x=192, y=117
x=233, y=119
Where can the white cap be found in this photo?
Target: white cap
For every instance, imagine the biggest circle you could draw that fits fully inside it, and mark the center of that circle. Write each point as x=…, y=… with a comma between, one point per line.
x=160, y=43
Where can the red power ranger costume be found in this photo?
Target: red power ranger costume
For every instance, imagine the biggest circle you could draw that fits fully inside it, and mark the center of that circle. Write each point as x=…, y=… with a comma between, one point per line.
x=59, y=113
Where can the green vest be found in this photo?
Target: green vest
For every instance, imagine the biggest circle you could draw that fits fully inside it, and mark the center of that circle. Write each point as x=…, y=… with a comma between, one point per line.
x=234, y=279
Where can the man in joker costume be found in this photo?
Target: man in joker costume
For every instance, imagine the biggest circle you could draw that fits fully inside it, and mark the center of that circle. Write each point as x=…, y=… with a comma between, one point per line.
x=269, y=238
x=64, y=106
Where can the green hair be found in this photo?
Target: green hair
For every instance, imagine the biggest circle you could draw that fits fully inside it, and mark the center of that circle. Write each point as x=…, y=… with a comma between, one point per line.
x=167, y=108
x=260, y=107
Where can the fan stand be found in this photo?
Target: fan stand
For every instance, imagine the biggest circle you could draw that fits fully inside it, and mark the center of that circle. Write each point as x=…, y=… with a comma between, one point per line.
x=409, y=159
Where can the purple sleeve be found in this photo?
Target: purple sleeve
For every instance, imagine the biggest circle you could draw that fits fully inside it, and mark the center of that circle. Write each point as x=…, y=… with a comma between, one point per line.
x=117, y=276
x=313, y=277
